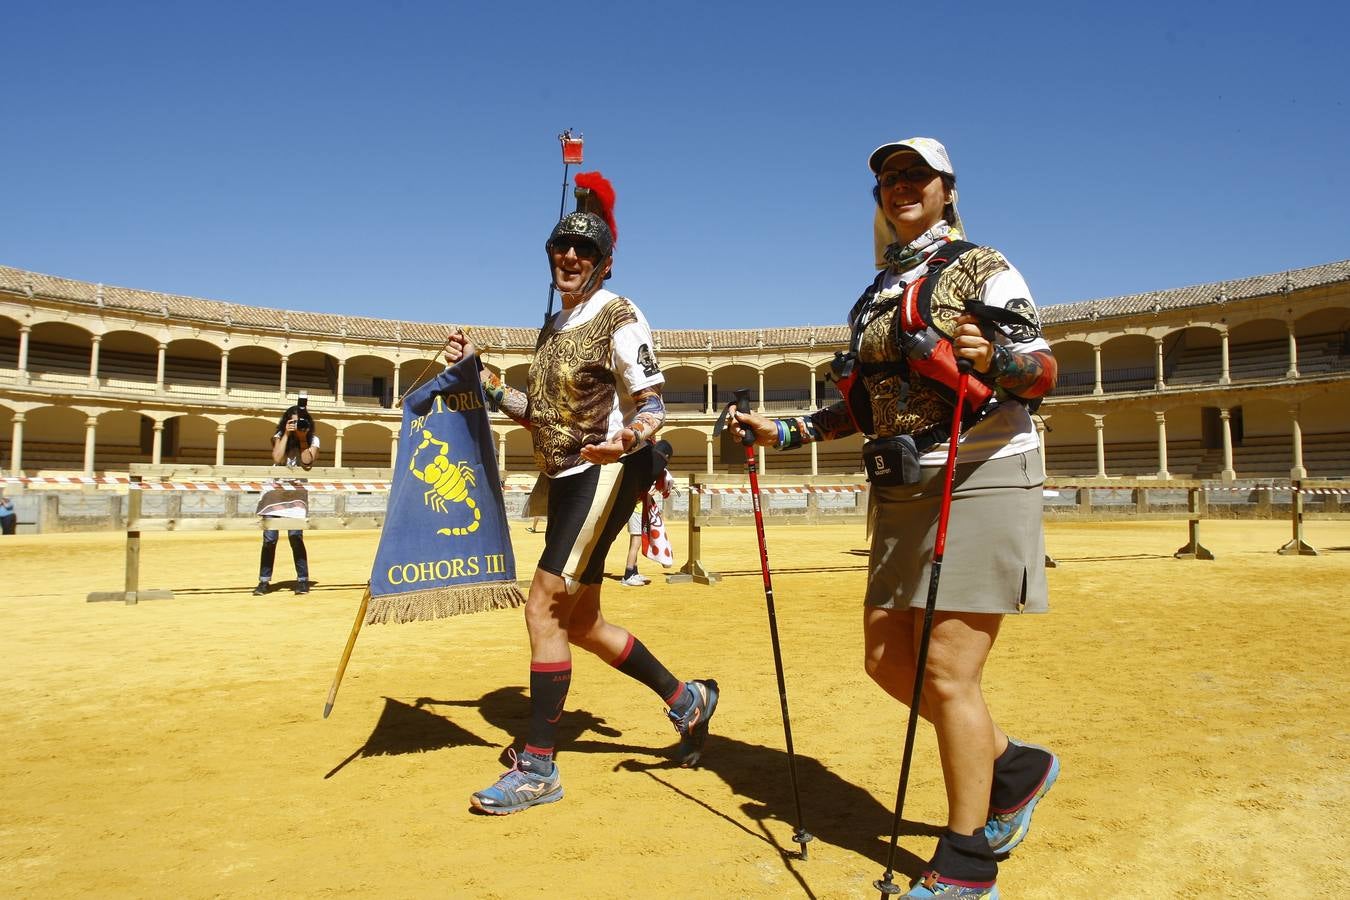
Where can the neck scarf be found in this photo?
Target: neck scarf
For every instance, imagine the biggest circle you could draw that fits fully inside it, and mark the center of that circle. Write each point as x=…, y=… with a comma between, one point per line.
x=902, y=258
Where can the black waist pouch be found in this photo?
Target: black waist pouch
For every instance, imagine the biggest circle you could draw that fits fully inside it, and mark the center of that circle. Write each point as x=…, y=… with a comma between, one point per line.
x=892, y=460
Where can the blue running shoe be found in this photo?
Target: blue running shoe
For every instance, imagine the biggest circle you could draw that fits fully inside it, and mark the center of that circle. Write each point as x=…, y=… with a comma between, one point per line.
x=932, y=885
x=693, y=724
x=518, y=789
x=1005, y=830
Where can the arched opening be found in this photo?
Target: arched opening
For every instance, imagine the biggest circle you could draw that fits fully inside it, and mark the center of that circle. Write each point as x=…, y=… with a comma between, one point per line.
x=1258, y=351
x=192, y=368
x=368, y=381
x=127, y=361
x=364, y=445
x=787, y=388
x=1128, y=364
x=1070, y=444
x=1323, y=342
x=124, y=437
x=728, y=379
x=1131, y=437
x=58, y=354
x=255, y=373
x=685, y=389
x=519, y=451
x=1193, y=355
x=315, y=374
x=248, y=442
x=1076, y=366
x=54, y=439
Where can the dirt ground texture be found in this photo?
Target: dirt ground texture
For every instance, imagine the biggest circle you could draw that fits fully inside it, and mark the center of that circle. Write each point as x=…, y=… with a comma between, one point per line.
x=177, y=748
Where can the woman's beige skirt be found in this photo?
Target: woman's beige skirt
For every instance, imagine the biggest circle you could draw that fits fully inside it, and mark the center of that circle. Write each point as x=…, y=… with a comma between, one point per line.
x=995, y=555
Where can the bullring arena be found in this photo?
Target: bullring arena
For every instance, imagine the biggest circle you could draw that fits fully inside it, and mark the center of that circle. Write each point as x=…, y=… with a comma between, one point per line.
x=176, y=746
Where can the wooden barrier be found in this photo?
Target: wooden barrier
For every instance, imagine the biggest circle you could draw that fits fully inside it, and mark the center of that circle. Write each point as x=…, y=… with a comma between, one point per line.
x=234, y=479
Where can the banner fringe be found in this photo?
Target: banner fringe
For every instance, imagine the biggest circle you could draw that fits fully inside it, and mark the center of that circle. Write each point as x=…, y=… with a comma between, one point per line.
x=441, y=603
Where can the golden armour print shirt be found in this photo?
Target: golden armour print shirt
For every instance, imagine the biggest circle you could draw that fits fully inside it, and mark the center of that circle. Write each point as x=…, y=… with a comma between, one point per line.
x=589, y=361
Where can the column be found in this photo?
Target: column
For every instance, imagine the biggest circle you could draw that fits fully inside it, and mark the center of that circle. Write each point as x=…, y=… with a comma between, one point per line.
x=1161, y=419
x=225, y=371
x=342, y=377
x=24, y=331
x=1040, y=442
x=337, y=448
x=1099, y=423
x=708, y=440
x=763, y=454
x=501, y=452
x=393, y=450
x=16, y=444
x=1158, y=384
x=1096, y=370
x=1225, y=377
x=93, y=359
x=220, y=445
x=1293, y=354
x=760, y=408
x=815, y=457
x=1227, y=474
x=285, y=364
x=90, y=435
x=811, y=374
x=712, y=401
x=397, y=392
x=1298, y=472
x=159, y=368
x=157, y=442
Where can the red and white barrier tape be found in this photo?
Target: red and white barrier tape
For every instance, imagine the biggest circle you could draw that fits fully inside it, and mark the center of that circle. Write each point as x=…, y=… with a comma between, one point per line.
x=223, y=486
x=794, y=489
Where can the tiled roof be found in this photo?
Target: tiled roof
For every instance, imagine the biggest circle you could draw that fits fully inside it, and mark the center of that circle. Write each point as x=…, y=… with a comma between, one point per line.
x=1198, y=294
x=223, y=314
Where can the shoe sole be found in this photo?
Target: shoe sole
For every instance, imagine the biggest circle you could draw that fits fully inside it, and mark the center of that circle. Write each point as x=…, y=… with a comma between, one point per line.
x=551, y=797
x=1024, y=814
x=689, y=758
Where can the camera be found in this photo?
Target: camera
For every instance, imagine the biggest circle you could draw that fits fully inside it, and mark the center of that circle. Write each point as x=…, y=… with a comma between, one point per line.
x=302, y=420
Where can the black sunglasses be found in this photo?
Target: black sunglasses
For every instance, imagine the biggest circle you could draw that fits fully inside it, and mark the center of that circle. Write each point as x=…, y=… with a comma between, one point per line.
x=582, y=247
x=913, y=175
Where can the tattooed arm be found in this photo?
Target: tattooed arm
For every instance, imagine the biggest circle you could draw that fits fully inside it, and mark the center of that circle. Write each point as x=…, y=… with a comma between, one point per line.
x=499, y=395
x=1028, y=375
x=650, y=414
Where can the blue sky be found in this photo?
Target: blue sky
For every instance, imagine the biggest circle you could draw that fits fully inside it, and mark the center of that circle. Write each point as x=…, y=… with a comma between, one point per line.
x=400, y=159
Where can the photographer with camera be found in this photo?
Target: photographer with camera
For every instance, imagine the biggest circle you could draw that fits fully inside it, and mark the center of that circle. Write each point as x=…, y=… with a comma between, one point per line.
x=294, y=444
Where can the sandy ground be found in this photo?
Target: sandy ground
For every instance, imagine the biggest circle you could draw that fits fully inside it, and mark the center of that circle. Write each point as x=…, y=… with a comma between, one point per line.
x=176, y=748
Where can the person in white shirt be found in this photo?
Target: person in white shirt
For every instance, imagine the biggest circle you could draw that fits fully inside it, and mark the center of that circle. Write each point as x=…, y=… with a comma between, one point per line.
x=939, y=299
x=294, y=445
x=593, y=404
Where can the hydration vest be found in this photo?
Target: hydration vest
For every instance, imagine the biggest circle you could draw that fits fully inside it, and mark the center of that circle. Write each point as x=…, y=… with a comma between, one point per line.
x=925, y=349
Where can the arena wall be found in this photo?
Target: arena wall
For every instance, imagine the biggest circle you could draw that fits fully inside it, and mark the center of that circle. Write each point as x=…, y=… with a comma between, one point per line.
x=1243, y=379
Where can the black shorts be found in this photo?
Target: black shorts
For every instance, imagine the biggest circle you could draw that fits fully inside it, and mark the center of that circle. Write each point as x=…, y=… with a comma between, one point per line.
x=586, y=511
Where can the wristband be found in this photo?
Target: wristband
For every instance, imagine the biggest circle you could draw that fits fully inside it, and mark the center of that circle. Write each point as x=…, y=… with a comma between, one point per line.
x=1001, y=363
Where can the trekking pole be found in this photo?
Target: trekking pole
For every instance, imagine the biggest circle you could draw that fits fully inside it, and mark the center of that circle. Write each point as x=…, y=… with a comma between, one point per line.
x=801, y=836
x=884, y=884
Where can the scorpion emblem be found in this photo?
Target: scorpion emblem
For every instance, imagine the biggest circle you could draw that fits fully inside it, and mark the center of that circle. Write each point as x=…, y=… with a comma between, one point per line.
x=449, y=482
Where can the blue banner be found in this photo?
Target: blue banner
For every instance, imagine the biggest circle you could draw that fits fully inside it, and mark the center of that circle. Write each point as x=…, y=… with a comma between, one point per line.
x=445, y=548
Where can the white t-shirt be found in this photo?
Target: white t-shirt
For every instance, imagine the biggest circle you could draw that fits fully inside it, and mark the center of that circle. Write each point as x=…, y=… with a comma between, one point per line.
x=294, y=461
x=1008, y=430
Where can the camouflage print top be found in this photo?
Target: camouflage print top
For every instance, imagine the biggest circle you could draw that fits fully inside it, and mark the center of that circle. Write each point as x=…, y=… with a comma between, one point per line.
x=905, y=402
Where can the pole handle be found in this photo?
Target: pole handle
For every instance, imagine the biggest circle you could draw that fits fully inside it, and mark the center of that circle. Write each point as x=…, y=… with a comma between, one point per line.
x=742, y=401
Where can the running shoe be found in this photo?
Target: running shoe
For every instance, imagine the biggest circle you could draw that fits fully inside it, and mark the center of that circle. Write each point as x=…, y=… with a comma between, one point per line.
x=1006, y=830
x=518, y=789
x=262, y=589
x=634, y=580
x=693, y=724
x=932, y=885
x=302, y=586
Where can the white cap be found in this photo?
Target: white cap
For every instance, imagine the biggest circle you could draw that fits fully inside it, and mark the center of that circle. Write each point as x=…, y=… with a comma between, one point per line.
x=930, y=150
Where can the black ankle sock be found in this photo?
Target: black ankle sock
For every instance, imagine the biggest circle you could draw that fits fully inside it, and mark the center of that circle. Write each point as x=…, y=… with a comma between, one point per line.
x=548, y=693
x=1018, y=772
x=629, y=573
x=965, y=859
x=638, y=663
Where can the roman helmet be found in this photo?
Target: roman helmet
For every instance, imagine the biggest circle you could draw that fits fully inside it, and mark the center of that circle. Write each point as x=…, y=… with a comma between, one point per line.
x=592, y=221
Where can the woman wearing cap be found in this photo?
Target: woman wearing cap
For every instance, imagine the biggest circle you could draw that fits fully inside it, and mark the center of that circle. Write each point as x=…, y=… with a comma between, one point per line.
x=592, y=406
x=909, y=328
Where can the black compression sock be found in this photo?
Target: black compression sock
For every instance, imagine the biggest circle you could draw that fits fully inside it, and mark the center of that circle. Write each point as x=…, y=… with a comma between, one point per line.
x=548, y=694
x=964, y=859
x=637, y=662
x=1018, y=772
